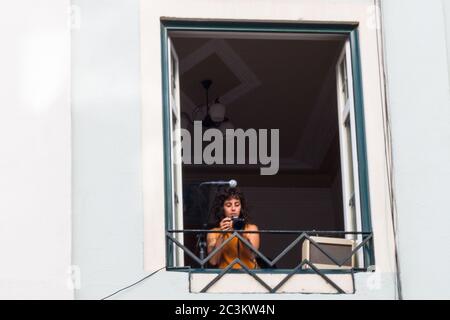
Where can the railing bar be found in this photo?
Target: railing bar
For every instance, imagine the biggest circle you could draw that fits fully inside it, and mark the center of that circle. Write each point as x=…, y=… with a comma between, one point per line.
x=357, y=248
x=288, y=248
x=366, y=236
x=270, y=231
x=331, y=282
x=261, y=281
x=228, y=268
x=285, y=279
x=216, y=250
x=220, y=275
x=185, y=249
x=250, y=246
x=315, y=244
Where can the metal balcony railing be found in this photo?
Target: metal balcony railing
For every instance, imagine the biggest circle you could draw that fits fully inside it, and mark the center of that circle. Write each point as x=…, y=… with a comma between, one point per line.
x=363, y=244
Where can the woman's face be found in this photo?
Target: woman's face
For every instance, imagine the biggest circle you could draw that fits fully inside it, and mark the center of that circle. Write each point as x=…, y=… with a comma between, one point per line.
x=232, y=207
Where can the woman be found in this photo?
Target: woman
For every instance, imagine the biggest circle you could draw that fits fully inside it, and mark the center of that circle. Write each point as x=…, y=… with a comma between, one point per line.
x=231, y=203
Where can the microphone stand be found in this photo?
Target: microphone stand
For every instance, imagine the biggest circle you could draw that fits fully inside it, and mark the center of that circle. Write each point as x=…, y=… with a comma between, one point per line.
x=201, y=243
x=201, y=237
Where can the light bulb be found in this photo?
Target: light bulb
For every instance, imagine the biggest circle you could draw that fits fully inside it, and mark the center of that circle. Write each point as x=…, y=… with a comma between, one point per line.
x=217, y=112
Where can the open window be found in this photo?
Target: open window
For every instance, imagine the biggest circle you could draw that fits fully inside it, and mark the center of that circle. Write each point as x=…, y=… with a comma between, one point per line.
x=348, y=148
x=176, y=199
x=299, y=83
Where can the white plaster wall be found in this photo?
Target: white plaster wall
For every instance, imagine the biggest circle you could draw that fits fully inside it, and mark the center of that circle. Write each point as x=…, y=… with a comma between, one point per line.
x=118, y=190
x=35, y=155
x=107, y=210
x=417, y=52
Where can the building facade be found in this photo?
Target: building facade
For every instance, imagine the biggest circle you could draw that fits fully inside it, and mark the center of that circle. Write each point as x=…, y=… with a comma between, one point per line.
x=87, y=134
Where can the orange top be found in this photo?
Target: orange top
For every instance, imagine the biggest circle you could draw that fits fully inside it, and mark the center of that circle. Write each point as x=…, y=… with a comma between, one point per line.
x=230, y=252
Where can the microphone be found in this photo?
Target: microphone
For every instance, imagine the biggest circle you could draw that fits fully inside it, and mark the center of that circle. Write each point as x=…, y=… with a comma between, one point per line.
x=232, y=183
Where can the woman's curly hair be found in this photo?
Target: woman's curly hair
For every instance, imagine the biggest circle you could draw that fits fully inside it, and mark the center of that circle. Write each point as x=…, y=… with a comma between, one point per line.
x=217, y=213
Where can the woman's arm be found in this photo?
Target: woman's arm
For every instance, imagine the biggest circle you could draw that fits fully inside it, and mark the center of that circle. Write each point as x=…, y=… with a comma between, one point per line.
x=253, y=238
x=214, y=240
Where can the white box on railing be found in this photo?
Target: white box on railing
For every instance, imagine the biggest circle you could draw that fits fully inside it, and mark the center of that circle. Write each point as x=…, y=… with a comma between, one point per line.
x=337, y=248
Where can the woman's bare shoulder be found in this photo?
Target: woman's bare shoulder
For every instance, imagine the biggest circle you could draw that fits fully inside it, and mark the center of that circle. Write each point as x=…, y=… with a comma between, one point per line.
x=213, y=234
x=252, y=227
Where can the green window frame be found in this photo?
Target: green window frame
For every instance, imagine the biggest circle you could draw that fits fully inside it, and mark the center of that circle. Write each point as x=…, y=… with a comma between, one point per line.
x=349, y=29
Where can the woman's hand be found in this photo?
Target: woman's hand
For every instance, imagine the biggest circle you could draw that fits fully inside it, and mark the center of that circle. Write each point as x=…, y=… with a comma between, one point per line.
x=226, y=224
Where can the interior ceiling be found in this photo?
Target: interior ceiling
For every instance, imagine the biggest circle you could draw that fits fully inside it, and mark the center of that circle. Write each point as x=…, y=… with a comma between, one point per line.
x=290, y=77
